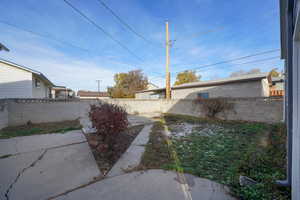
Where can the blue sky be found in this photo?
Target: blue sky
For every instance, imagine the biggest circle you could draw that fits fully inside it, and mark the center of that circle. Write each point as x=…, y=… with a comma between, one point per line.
x=240, y=28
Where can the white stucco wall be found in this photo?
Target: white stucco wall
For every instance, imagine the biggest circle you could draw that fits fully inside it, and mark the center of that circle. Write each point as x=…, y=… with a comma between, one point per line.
x=259, y=88
x=41, y=92
x=14, y=82
x=240, y=89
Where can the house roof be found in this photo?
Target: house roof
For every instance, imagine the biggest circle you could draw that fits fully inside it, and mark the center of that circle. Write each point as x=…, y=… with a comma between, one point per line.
x=83, y=93
x=37, y=73
x=60, y=88
x=243, y=78
x=152, y=84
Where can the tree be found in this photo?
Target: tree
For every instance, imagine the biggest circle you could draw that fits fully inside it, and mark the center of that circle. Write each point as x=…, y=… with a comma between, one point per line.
x=187, y=76
x=274, y=73
x=242, y=72
x=126, y=84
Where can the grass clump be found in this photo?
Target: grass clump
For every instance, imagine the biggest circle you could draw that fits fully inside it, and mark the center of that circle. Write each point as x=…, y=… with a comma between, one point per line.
x=157, y=154
x=40, y=128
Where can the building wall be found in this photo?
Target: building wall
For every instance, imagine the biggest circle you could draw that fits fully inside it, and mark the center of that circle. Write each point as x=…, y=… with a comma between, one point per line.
x=42, y=92
x=94, y=97
x=241, y=89
x=14, y=82
x=259, y=88
x=3, y=115
x=148, y=95
x=296, y=108
x=251, y=109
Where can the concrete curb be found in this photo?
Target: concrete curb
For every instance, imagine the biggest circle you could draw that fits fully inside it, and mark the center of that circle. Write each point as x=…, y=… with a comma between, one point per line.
x=132, y=157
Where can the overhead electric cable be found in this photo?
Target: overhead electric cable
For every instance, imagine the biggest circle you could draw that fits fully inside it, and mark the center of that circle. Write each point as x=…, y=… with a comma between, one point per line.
x=235, y=59
x=102, y=29
x=130, y=28
x=42, y=35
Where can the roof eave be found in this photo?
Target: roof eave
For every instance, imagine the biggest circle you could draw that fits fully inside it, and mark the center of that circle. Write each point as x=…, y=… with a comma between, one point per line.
x=208, y=84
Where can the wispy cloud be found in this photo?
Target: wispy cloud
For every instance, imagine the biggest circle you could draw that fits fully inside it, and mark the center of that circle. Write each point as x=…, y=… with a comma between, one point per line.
x=243, y=33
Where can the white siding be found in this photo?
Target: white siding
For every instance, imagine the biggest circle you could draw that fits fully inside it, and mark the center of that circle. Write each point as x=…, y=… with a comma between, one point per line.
x=14, y=82
x=41, y=92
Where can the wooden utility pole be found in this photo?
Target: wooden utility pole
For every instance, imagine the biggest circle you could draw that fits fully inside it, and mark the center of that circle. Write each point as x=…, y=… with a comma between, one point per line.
x=98, y=85
x=168, y=84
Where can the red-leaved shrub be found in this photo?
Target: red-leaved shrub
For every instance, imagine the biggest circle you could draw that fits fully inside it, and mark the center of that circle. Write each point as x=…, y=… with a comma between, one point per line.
x=109, y=120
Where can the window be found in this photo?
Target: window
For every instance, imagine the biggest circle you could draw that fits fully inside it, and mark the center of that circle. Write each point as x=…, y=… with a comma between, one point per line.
x=203, y=95
x=37, y=83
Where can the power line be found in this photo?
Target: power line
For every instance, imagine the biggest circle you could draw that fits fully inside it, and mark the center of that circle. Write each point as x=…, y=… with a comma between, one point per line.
x=235, y=59
x=42, y=35
x=101, y=29
x=49, y=37
x=212, y=66
x=255, y=61
x=123, y=22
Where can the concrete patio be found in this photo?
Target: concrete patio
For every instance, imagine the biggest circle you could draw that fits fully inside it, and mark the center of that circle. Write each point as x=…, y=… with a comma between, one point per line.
x=151, y=185
x=44, y=165
x=62, y=167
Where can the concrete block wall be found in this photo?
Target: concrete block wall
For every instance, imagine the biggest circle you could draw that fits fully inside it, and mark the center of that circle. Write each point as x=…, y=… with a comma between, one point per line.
x=248, y=109
x=3, y=115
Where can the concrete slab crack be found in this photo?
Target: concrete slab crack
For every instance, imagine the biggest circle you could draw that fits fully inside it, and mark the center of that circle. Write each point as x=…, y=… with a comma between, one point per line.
x=16, y=145
x=22, y=171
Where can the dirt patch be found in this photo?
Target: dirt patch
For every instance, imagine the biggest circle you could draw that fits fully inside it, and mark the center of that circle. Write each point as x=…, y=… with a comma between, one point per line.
x=157, y=154
x=39, y=128
x=104, y=160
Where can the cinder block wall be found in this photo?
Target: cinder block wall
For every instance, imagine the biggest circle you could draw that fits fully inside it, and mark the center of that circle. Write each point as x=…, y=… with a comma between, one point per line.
x=251, y=109
x=3, y=115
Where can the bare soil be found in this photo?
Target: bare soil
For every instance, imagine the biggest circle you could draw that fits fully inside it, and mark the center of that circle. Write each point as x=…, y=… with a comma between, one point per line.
x=105, y=161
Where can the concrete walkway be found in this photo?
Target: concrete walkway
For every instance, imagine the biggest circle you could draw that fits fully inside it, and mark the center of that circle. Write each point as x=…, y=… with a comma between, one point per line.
x=132, y=157
x=36, y=142
x=151, y=185
x=45, y=165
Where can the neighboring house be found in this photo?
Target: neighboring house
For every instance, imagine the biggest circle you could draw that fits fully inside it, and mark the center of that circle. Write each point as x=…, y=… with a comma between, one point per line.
x=151, y=86
x=61, y=92
x=17, y=81
x=253, y=85
x=290, y=52
x=82, y=94
x=277, y=86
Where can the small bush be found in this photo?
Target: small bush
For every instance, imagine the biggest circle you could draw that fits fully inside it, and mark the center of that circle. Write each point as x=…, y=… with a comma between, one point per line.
x=109, y=120
x=214, y=106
